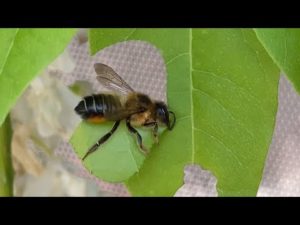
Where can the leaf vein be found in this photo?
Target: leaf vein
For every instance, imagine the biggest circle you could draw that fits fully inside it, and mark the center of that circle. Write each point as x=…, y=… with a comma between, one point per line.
x=176, y=57
x=191, y=96
x=258, y=102
x=220, y=142
x=225, y=110
x=183, y=118
x=9, y=51
x=285, y=50
x=256, y=54
x=129, y=35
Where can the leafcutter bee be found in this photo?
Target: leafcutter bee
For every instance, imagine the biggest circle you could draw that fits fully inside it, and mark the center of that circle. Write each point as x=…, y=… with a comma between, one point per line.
x=123, y=104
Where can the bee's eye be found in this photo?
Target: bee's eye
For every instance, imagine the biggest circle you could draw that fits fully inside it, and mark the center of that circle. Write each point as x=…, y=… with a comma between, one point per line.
x=160, y=112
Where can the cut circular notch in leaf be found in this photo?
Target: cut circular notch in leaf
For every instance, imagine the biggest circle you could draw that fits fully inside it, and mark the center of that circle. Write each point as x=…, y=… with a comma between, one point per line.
x=119, y=157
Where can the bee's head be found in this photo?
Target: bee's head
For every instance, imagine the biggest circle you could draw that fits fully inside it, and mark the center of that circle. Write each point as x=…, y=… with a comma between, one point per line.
x=81, y=109
x=163, y=115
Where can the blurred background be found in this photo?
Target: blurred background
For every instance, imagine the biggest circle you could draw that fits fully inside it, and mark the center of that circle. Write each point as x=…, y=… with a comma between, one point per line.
x=43, y=121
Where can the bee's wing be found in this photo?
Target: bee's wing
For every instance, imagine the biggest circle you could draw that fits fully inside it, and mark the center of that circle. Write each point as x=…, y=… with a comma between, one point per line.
x=110, y=79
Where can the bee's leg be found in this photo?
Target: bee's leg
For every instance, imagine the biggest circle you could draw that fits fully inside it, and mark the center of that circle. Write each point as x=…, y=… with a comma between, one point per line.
x=138, y=136
x=154, y=131
x=102, y=140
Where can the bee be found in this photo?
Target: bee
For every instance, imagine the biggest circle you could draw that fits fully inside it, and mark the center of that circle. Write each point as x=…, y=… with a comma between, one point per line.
x=137, y=109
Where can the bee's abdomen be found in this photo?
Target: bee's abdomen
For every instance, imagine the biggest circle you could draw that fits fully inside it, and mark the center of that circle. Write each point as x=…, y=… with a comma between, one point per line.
x=102, y=106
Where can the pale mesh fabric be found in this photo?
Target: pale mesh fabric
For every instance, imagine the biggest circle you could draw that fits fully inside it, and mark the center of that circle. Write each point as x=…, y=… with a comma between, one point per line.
x=282, y=169
x=142, y=67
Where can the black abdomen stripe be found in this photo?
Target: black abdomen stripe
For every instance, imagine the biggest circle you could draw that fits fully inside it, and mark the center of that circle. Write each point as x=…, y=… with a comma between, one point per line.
x=102, y=104
x=89, y=103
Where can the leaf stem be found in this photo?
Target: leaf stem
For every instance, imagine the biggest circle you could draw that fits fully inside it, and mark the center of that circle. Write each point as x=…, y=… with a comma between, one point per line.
x=6, y=169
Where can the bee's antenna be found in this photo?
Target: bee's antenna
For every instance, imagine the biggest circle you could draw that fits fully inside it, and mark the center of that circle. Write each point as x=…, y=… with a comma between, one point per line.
x=174, y=120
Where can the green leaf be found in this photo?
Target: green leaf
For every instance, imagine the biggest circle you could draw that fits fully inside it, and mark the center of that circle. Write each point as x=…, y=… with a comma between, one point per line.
x=283, y=45
x=23, y=54
x=6, y=170
x=222, y=85
x=118, y=159
x=111, y=36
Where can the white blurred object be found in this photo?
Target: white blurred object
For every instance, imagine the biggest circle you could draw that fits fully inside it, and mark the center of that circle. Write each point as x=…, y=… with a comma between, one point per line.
x=54, y=181
x=62, y=64
x=24, y=158
x=46, y=108
x=42, y=118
